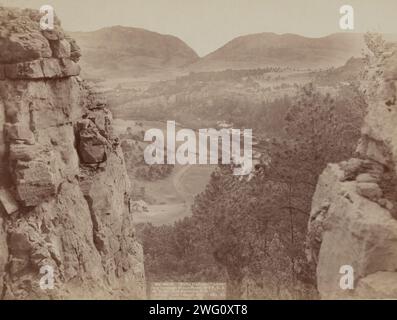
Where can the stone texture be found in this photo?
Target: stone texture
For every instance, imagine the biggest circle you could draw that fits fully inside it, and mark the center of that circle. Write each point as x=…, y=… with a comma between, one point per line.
x=75, y=51
x=51, y=68
x=92, y=150
x=355, y=168
x=23, y=152
x=369, y=190
x=379, y=284
x=108, y=200
x=73, y=212
x=60, y=49
x=7, y=201
x=3, y=251
x=69, y=68
x=373, y=149
x=27, y=52
x=366, y=177
x=18, y=132
x=36, y=181
x=24, y=70
x=20, y=37
x=42, y=104
x=2, y=73
x=92, y=145
x=60, y=68
x=42, y=69
x=54, y=35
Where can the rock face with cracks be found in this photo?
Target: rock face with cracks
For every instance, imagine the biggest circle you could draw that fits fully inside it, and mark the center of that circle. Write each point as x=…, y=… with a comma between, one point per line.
x=353, y=218
x=64, y=190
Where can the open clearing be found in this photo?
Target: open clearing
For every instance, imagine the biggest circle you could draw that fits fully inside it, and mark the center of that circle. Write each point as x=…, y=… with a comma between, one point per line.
x=175, y=194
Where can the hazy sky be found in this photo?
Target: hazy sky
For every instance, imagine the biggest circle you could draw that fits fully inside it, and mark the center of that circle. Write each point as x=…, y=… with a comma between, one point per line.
x=206, y=25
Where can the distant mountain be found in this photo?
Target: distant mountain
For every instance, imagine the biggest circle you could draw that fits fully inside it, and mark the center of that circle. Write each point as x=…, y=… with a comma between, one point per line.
x=131, y=52
x=270, y=49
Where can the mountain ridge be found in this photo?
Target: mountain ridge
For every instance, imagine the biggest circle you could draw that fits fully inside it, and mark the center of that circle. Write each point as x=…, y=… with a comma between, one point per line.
x=130, y=51
x=292, y=50
x=120, y=51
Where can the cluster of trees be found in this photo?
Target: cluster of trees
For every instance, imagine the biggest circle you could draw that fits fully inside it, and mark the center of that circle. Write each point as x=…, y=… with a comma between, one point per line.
x=201, y=99
x=262, y=115
x=251, y=233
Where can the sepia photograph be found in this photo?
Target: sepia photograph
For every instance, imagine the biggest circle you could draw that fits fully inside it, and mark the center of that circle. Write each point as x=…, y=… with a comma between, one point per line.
x=198, y=150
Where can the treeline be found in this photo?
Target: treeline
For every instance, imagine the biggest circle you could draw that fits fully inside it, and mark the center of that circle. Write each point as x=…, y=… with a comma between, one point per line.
x=226, y=75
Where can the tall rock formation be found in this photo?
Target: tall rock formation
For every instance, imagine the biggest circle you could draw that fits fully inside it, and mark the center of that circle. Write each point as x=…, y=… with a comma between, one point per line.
x=354, y=210
x=64, y=190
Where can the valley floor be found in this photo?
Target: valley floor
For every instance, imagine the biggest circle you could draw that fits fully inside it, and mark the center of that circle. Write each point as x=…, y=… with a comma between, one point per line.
x=171, y=197
x=175, y=194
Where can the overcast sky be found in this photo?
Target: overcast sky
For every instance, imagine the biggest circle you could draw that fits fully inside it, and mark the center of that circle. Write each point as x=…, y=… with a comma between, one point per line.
x=206, y=25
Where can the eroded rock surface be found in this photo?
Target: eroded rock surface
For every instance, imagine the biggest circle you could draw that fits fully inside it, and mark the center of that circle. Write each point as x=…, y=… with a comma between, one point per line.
x=353, y=219
x=64, y=190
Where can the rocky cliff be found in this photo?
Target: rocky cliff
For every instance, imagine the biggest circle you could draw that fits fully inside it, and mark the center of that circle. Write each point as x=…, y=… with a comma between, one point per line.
x=354, y=210
x=64, y=190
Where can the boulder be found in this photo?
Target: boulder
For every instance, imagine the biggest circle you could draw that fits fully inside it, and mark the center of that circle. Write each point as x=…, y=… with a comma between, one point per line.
x=51, y=68
x=102, y=119
x=92, y=148
x=35, y=183
x=69, y=68
x=20, y=37
x=92, y=141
